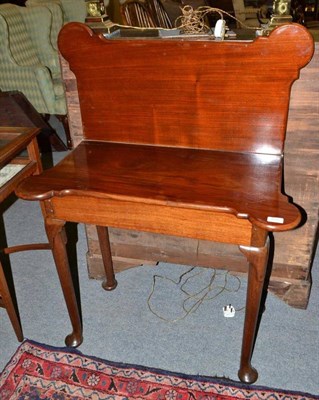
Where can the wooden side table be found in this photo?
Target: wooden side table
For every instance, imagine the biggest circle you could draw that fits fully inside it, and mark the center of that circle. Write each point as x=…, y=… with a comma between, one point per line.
x=15, y=165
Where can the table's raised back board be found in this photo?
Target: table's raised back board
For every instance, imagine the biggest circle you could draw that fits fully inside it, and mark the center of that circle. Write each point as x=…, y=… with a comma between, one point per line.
x=230, y=96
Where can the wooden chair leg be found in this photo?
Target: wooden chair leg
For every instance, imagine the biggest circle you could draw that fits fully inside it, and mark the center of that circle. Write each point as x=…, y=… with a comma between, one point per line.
x=257, y=255
x=57, y=143
x=110, y=282
x=56, y=234
x=9, y=305
x=66, y=126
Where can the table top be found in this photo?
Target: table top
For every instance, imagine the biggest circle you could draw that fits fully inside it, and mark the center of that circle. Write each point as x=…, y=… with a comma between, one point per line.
x=247, y=185
x=13, y=140
x=15, y=166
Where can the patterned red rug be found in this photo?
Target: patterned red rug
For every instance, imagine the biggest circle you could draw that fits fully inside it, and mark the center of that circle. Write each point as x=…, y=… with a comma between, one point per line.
x=43, y=372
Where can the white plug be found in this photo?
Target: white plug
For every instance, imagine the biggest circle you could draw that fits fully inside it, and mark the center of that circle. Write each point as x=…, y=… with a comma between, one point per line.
x=229, y=311
x=220, y=29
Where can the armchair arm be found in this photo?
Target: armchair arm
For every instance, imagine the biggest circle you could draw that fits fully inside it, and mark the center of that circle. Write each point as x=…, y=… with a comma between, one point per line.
x=52, y=91
x=23, y=79
x=40, y=34
x=57, y=22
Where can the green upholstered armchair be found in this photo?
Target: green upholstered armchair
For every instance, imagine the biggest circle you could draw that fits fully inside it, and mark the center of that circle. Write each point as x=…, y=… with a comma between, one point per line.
x=57, y=17
x=39, y=22
x=23, y=65
x=57, y=22
x=73, y=10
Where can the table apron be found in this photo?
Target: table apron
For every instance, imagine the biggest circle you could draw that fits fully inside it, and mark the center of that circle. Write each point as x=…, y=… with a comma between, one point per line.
x=157, y=218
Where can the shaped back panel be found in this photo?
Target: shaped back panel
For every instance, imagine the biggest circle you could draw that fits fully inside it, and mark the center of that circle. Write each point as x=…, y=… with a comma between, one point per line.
x=230, y=96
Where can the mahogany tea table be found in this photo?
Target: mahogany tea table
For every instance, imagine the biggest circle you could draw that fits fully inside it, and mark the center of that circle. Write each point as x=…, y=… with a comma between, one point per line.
x=180, y=138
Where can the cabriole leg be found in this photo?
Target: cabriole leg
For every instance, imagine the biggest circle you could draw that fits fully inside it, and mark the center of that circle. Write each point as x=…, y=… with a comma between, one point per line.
x=57, y=239
x=257, y=256
x=110, y=282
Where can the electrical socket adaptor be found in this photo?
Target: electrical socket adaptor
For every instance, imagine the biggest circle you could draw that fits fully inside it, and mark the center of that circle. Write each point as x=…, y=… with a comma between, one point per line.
x=220, y=29
x=229, y=311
